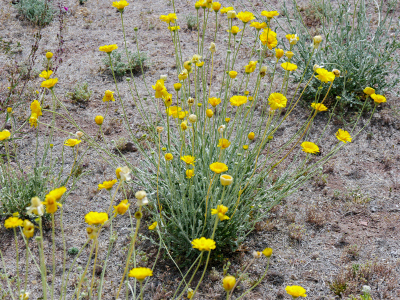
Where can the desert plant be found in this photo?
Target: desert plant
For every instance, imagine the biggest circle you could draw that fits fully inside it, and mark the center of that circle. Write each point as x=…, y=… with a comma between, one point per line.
x=39, y=12
x=121, y=65
x=81, y=93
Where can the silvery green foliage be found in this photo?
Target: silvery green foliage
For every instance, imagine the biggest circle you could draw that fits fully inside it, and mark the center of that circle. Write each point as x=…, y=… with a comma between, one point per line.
x=40, y=12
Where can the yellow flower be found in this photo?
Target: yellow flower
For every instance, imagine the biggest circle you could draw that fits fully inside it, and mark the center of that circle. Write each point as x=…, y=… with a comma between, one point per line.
x=251, y=136
x=245, y=147
x=4, y=135
x=153, y=226
x=224, y=10
x=234, y=30
x=289, y=66
x=277, y=101
x=216, y=6
x=319, y=106
x=190, y=160
x=228, y=283
x=167, y=99
x=267, y=252
x=140, y=273
x=174, y=28
x=177, y=86
x=203, y=244
x=36, y=207
x=180, y=114
x=214, y=101
x=231, y=14
x=29, y=229
x=173, y=110
x=188, y=66
x=232, y=74
x=269, y=14
x=218, y=167
x=226, y=179
x=33, y=120
x=13, y=222
x=96, y=218
x=309, y=147
x=49, y=55
x=160, y=89
x=324, y=75
x=99, y=120
x=251, y=67
x=107, y=184
x=35, y=108
x=378, y=98
x=46, y=74
x=220, y=212
x=72, y=142
x=120, y=5
x=268, y=37
x=245, y=16
x=108, y=48
x=49, y=83
x=108, y=96
x=223, y=143
x=296, y=291
x=9, y=110
x=343, y=136
x=189, y=173
x=184, y=125
x=292, y=38
x=170, y=18
x=289, y=54
x=369, y=91
x=58, y=193
x=122, y=207
x=169, y=156
x=183, y=75
x=51, y=204
x=227, y=120
x=190, y=293
x=258, y=25
x=209, y=113
x=238, y=100
x=279, y=53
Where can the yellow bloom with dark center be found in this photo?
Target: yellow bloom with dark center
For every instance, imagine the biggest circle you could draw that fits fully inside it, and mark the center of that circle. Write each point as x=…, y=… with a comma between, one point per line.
x=245, y=16
x=120, y=5
x=72, y=142
x=184, y=125
x=214, y=101
x=96, y=218
x=218, y=167
x=168, y=156
x=189, y=173
x=122, y=207
x=108, y=48
x=296, y=291
x=13, y=222
x=369, y=91
x=267, y=252
x=290, y=67
x=140, y=273
x=232, y=74
x=46, y=74
x=251, y=67
x=220, y=211
x=277, y=101
x=319, y=106
x=203, y=244
x=378, y=98
x=153, y=226
x=224, y=143
x=107, y=184
x=309, y=147
x=51, y=204
x=170, y=18
x=224, y=10
x=160, y=89
x=343, y=136
x=167, y=99
x=324, y=75
x=49, y=83
x=108, y=96
x=269, y=14
x=292, y=38
x=190, y=160
x=4, y=135
x=258, y=25
x=99, y=120
x=29, y=229
x=238, y=100
x=268, y=37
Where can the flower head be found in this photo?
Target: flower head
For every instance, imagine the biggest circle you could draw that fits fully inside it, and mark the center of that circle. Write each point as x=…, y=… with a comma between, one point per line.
x=232, y=74
x=289, y=66
x=36, y=207
x=369, y=91
x=203, y=244
x=224, y=10
x=226, y=179
x=46, y=74
x=13, y=222
x=99, y=120
x=120, y=5
x=251, y=136
x=251, y=67
x=49, y=83
x=378, y=98
x=160, y=89
x=190, y=160
x=228, y=283
x=218, y=167
x=123, y=173
x=173, y=110
x=267, y=252
x=343, y=136
x=170, y=18
x=269, y=14
x=296, y=291
x=324, y=75
x=183, y=75
x=214, y=101
x=174, y=28
x=234, y=30
x=277, y=101
x=153, y=226
x=29, y=229
x=309, y=147
x=238, y=100
x=108, y=48
x=268, y=37
x=292, y=38
x=189, y=173
x=72, y=142
x=4, y=135
x=51, y=203
x=317, y=40
x=168, y=156
x=49, y=55
x=220, y=211
x=279, y=53
x=216, y=6
x=140, y=273
x=107, y=184
x=319, y=106
x=223, y=143
x=245, y=16
x=258, y=25
x=108, y=96
x=96, y=218
x=122, y=207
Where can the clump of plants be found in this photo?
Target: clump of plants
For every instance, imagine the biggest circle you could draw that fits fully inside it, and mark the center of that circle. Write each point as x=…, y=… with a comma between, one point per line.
x=81, y=93
x=121, y=66
x=40, y=12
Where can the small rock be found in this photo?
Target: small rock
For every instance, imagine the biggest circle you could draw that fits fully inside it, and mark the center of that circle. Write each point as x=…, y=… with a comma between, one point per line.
x=315, y=255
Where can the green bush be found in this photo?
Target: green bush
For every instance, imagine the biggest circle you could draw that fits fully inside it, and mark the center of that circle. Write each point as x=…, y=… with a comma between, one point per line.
x=135, y=62
x=39, y=12
x=80, y=94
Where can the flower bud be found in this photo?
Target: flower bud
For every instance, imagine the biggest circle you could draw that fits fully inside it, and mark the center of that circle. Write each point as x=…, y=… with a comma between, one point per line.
x=212, y=47
x=278, y=53
x=192, y=118
x=231, y=14
x=336, y=72
x=263, y=71
x=267, y=252
x=256, y=254
x=228, y=283
x=221, y=128
x=216, y=6
x=79, y=134
x=169, y=156
x=159, y=129
x=232, y=74
x=184, y=125
x=209, y=113
x=138, y=215
x=316, y=67
x=369, y=91
x=190, y=101
x=164, y=77
x=251, y=136
x=187, y=65
x=289, y=54
x=9, y=110
x=99, y=120
x=177, y=86
x=226, y=179
x=140, y=195
x=49, y=55
x=317, y=40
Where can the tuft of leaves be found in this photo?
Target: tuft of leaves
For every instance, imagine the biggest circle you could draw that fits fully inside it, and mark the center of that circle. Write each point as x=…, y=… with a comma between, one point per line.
x=39, y=12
